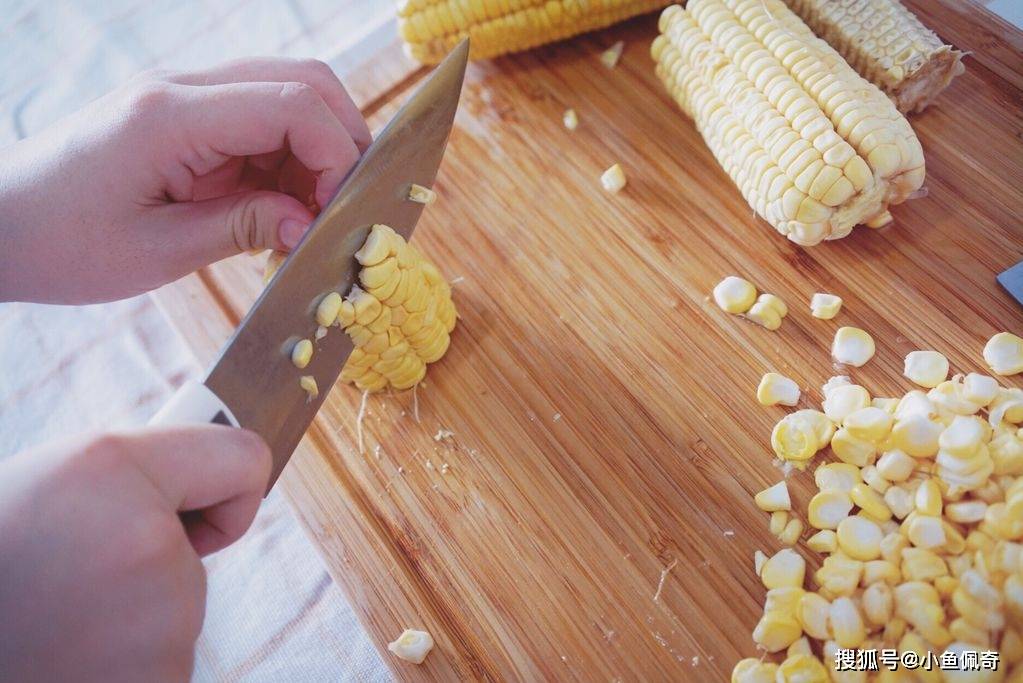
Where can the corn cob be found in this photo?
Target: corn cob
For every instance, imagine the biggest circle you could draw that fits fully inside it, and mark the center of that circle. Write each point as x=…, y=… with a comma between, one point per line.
x=400, y=318
x=887, y=44
x=431, y=28
x=813, y=147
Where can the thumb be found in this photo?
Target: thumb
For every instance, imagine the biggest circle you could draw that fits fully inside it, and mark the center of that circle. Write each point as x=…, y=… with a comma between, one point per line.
x=213, y=476
x=213, y=229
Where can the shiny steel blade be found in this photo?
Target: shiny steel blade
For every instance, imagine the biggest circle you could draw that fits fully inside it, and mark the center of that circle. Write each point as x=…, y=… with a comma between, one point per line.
x=254, y=375
x=1012, y=281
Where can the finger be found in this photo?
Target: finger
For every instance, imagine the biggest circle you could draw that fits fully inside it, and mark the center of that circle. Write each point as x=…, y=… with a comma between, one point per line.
x=221, y=471
x=241, y=119
x=312, y=72
x=213, y=229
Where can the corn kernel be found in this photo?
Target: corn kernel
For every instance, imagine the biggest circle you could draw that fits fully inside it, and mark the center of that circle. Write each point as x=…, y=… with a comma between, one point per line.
x=873, y=479
x=613, y=179
x=812, y=613
x=860, y=538
x=775, y=302
x=778, y=521
x=764, y=315
x=421, y=195
x=926, y=532
x=836, y=476
x=570, y=119
x=412, y=646
x=878, y=604
x=751, y=670
x=790, y=535
x=784, y=600
x=611, y=55
x=871, y=502
x=774, y=498
x=759, y=560
x=802, y=667
x=899, y=501
x=734, y=294
x=869, y=423
x=777, y=389
x=301, y=353
x=825, y=306
x=964, y=436
x=852, y=450
x=843, y=400
x=1004, y=354
x=928, y=498
x=895, y=465
x=796, y=437
x=785, y=568
x=916, y=435
x=926, y=368
x=308, y=384
x=824, y=541
x=876, y=571
x=828, y=508
x=776, y=631
x=920, y=564
x=839, y=575
x=846, y=623
x=979, y=389
x=852, y=346
x=800, y=647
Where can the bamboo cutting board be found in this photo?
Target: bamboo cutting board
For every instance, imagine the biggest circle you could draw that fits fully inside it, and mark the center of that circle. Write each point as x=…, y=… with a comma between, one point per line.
x=591, y=517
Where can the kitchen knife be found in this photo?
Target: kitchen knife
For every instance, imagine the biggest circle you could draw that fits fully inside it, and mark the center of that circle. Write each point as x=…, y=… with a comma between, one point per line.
x=253, y=384
x=1012, y=281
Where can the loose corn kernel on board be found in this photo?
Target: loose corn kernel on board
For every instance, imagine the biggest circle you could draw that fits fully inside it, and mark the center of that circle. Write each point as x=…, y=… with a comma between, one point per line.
x=603, y=409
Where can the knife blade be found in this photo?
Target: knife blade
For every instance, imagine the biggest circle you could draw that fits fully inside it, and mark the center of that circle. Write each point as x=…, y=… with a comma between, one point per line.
x=1012, y=280
x=253, y=383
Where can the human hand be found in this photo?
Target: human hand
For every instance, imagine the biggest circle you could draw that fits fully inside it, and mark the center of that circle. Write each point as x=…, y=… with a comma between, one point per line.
x=100, y=540
x=170, y=172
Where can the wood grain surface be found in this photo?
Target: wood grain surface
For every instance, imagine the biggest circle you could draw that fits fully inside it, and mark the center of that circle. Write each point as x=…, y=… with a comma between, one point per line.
x=603, y=410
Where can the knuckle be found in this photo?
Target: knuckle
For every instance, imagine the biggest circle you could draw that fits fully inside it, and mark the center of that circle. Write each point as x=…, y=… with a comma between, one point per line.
x=108, y=450
x=153, y=75
x=317, y=67
x=149, y=97
x=301, y=94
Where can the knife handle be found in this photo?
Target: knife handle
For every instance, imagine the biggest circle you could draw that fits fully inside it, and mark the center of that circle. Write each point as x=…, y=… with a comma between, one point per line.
x=192, y=403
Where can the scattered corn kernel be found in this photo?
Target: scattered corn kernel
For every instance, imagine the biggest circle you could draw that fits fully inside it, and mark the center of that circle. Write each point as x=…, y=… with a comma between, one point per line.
x=412, y=646
x=775, y=302
x=777, y=523
x=798, y=436
x=734, y=294
x=776, y=631
x=774, y=498
x=764, y=315
x=836, y=476
x=801, y=666
x=301, y=353
x=308, y=383
x=825, y=306
x=824, y=541
x=852, y=346
x=895, y=465
x=421, y=195
x=777, y=389
x=926, y=368
x=828, y=508
x=870, y=424
x=843, y=399
x=751, y=670
x=1004, y=354
x=570, y=119
x=926, y=532
x=979, y=389
x=328, y=308
x=785, y=568
x=792, y=531
x=846, y=623
x=860, y=538
x=610, y=56
x=613, y=179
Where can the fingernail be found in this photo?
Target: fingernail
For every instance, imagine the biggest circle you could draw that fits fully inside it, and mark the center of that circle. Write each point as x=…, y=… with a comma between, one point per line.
x=291, y=232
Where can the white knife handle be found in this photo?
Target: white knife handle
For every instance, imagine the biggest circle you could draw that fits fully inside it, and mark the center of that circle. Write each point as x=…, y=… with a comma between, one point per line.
x=194, y=403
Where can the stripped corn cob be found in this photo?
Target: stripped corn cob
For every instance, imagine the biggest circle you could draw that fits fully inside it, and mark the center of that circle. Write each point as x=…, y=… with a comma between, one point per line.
x=431, y=28
x=399, y=319
x=887, y=44
x=813, y=147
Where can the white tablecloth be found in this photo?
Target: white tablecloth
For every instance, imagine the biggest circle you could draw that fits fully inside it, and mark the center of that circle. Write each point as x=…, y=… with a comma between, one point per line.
x=273, y=613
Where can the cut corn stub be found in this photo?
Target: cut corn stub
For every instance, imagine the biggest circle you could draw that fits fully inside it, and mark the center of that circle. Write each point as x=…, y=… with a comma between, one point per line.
x=421, y=195
x=885, y=42
x=1004, y=354
x=613, y=179
x=852, y=346
x=777, y=389
x=610, y=56
x=399, y=319
x=926, y=368
x=570, y=119
x=412, y=645
x=432, y=28
x=774, y=498
x=825, y=306
x=734, y=294
x=813, y=147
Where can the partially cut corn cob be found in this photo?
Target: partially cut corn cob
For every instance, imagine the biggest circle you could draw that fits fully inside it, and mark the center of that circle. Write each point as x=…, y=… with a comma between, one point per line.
x=813, y=147
x=887, y=44
x=431, y=28
x=399, y=319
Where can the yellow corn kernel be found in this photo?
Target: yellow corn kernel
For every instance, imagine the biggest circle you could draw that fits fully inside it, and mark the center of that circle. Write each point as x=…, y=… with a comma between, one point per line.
x=824, y=541
x=802, y=666
x=871, y=502
x=774, y=301
x=979, y=389
x=613, y=179
x=792, y=531
x=784, y=600
x=920, y=564
x=873, y=479
x=916, y=435
x=328, y=308
x=926, y=368
x=734, y=294
x=776, y=631
x=899, y=501
x=301, y=353
x=878, y=604
x=964, y=436
x=570, y=119
x=946, y=585
x=751, y=670
x=847, y=626
x=925, y=532
x=308, y=384
x=965, y=632
x=800, y=647
x=779, y=519
x=825, y=306
x=784, y=568
x=797, y=436
x=842, y=400
x=852, y=346
x=777, y=389
x=610, y=56
x=876, y=571
x=869, y=423
x=759, y=560
x=852, y=450
x=836, y=476
x=812, y=613
x=895, y=466
x=860, y=538
x=421, y=195
x=1011, y=646
x=1004, y=354
x=839, y=575
x=828, y=508
x=764, y=315
x=928, y=499
x=774, y=498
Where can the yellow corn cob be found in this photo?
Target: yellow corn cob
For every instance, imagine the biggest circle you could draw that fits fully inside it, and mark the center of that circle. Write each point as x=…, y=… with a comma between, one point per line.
x=431, y=28
x=813, y=147
x=887, y=44
x=399, y=319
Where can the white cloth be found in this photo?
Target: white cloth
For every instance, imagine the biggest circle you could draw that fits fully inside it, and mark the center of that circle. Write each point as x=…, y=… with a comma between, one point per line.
x=273, y=612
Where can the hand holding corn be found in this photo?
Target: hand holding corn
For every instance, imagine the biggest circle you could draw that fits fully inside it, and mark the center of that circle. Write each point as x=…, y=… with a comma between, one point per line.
x=169, y=173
